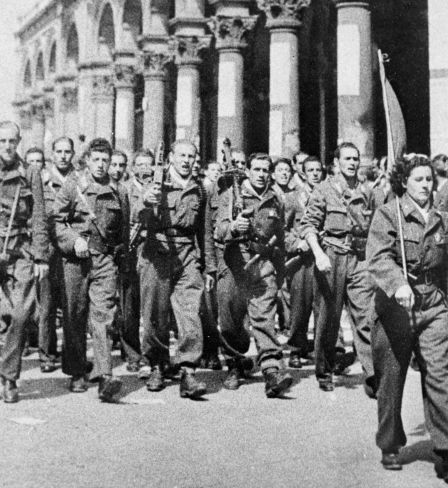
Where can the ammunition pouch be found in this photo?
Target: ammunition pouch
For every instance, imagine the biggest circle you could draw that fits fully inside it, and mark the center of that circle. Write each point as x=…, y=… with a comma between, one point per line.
x=358, y=246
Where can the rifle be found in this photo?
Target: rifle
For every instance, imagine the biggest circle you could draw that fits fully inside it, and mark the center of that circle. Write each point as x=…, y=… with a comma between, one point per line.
x=4, y=258
x=271, y=243
x=159, y=171
x=237, y=177
x=134, y=236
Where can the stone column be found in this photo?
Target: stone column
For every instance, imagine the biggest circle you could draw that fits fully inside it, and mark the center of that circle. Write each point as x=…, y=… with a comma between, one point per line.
x=86, y=115
x=355, y=76
x=23, y=108
x=188, y=109
x=438, y=75
x=230, y=33
x=38, y=120
x=283, y=22
x=154, y=101
x=103, y=96
x=69, y=110
x=124, y=79
x=124, y=108
x=49, y=120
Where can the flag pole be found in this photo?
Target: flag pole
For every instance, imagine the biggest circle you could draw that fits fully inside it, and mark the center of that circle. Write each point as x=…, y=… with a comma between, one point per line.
x=391, y=159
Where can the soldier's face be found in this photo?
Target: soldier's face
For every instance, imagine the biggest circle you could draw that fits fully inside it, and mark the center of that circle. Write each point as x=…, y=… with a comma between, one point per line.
x=36, y=160
x=419, y=185
x=349, y=162
x=259, y=173
x=213, y=171
x=98, y=164
x=9, y=140
x=184, y=156
x=117, y=167
x=313, y=173
x=144, y=168
x=240, y=160
x=63, y=155
x=282, y=174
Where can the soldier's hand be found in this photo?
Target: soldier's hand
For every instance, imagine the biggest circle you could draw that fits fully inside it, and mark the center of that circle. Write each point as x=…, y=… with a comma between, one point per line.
x=241, y=224
x=405, y=297
x=153, y=195
x=81, y=248
x=303, y=246
x=41, y=270
x=210, y=282
x=323, y=263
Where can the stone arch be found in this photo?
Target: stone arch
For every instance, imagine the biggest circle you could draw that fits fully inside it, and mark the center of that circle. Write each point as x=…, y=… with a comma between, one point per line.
x=107, y=26
x=72, y=46
x=40, y=69
x=27, y=77
x=133, y=16
x=52, y=58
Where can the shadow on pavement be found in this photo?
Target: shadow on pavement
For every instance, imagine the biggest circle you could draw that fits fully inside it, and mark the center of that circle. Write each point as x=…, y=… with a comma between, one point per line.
x=36, y=389
x=420, y=451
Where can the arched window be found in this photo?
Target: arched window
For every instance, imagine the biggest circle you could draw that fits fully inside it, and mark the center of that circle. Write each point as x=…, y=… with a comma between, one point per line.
x=73, y=45
x=52, y=62
x=40, y=71
x=27, y=82
x=133, y=15
x=107, y=31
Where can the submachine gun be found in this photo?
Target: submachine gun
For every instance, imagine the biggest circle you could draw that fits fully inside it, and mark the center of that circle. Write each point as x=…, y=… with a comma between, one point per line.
x=160, y=179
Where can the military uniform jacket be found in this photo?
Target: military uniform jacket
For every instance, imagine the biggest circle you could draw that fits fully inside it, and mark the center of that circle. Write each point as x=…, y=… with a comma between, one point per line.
x=94, y=211
x=267, y=221
x=425, y=247
x=29, y=230
x=335, y=210
x=295, y=206
x=177, y=221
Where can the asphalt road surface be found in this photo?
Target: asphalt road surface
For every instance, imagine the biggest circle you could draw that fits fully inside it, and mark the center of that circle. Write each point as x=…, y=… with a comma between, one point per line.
x=56, y=439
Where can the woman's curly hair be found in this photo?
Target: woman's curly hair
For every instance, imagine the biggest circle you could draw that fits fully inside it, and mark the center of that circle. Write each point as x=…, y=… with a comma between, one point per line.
x=403, y=168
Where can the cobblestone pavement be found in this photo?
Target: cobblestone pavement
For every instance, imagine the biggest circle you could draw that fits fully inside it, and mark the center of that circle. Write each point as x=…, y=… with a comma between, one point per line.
x=56, y=439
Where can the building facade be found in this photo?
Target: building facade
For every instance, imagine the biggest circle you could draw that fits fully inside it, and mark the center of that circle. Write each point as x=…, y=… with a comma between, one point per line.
x=272, y=75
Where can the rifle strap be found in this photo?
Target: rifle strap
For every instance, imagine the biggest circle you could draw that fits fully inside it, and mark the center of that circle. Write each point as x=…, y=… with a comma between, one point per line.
x=11, y=218
x=92, y=214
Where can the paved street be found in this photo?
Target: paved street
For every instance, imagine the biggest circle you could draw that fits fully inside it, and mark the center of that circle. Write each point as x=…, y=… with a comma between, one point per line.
x=232, y=439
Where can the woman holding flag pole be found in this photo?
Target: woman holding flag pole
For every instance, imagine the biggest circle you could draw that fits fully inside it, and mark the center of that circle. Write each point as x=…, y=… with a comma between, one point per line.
x=408, y=257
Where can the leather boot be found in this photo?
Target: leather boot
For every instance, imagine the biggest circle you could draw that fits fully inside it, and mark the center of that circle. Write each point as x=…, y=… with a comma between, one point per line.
x=155, y=381
x=276, y=382
x=108, y=387
x=234, y=375
x=78, y=384
x=390, y=461
x=190, y=387
x=10, y=391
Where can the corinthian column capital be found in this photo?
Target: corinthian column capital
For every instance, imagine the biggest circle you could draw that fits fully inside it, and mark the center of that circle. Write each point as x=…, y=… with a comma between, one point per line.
x=124, y=76
x=283, y=13
x=154, y=63
x=231, y=32
x=187, y=50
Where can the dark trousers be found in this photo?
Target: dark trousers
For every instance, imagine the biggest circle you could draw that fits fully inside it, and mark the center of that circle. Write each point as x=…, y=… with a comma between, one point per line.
x=209, y=320
x=394, y=338
x=130, y=306
x=347, y=283
x=303, y=291
x=49, y=296
x=17, y=302
x=171, y=281
x=284, y=304
x=254, y=293
x=90, y=298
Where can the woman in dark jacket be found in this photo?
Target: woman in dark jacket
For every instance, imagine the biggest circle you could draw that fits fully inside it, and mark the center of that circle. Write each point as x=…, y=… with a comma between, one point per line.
x=411, y=314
